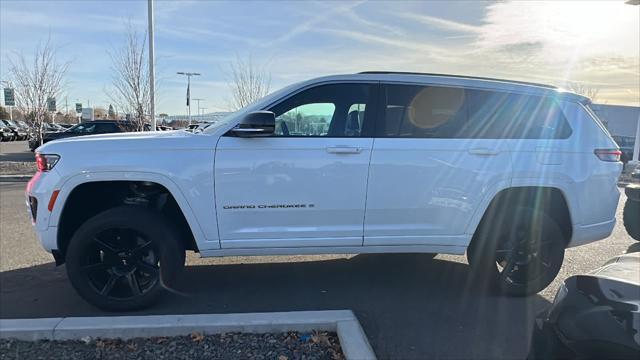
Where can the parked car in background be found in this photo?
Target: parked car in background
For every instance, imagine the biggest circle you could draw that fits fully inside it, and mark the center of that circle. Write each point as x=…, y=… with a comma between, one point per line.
x=86, y=128
x=18, y=132
x=631, y=212
x=48, y=127
x=626, y=144
x=6, y=134
x=362, y=163
x=24, y=126
x=593, y=316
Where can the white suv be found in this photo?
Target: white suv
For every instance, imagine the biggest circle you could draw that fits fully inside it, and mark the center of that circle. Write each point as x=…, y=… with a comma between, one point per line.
x=510, y=172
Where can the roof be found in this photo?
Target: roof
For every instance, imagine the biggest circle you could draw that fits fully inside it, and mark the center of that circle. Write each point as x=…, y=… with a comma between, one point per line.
x=477, y=82
x=461, y=77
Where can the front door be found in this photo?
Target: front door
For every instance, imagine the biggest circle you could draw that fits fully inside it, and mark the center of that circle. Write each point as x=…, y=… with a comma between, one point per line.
x=306, y=184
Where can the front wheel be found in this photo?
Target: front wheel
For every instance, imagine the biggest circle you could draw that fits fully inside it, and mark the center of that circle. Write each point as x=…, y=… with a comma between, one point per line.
x=121, y=259
x=519, y=252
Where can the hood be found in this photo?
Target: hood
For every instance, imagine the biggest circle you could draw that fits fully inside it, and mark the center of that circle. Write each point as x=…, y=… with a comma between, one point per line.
x=133, y=141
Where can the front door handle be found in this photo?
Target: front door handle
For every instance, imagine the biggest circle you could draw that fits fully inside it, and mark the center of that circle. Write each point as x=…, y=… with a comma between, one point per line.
x=483, y=151
x=343, y=150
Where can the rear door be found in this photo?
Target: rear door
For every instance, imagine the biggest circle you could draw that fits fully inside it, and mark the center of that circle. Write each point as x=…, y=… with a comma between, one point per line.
x=429, y=168
x=306, y=184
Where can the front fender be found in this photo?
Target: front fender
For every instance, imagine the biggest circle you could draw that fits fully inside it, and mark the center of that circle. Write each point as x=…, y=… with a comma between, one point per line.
x=71, y=183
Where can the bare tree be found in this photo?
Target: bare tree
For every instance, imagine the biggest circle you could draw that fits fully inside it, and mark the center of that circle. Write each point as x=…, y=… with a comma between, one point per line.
x=35, y=82
x=130, y=82
x=583, y=89
x=247, y=82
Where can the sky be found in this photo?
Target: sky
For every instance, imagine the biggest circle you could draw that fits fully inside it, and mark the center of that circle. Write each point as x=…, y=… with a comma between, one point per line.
x=596, y=43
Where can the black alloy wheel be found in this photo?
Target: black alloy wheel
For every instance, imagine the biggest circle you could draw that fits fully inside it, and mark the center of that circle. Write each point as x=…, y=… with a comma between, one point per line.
x=121, y=264
x=521, y=253
x=123, y=258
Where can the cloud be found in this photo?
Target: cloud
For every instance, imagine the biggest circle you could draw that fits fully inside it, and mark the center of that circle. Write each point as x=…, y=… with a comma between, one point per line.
x=311, y=23
x=32, y=19
x=443, y=24
x=586, y=28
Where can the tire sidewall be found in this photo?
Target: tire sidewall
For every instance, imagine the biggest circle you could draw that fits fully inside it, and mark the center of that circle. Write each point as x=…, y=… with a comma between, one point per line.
x=481, y=252
x=152, y=226
x=631, y=218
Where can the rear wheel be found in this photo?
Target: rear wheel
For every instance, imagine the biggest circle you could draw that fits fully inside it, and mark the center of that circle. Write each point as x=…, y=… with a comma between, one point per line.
x=121, y=258
x=519, y=252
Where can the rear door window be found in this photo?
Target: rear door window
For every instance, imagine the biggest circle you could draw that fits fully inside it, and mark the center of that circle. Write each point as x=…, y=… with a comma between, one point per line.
x=414, y=111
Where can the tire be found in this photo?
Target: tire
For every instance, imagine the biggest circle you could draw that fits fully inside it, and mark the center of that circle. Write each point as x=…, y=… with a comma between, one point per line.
x=631, y=218
x=123, y=258
x=517, y=251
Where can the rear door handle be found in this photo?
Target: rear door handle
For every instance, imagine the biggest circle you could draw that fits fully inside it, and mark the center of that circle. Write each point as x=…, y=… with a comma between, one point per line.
x=343, y=149
x=484, y=151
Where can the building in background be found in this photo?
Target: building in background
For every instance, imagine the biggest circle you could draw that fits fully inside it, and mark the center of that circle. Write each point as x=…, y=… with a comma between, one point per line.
x=209, y=117
x=622, y=123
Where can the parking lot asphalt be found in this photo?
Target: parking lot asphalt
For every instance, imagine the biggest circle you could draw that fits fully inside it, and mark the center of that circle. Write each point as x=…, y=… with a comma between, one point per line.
x=16, y=151
x=410, y=306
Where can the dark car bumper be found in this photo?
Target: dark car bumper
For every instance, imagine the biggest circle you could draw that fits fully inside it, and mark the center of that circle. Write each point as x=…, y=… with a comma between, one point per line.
x=593, y=316
x=547, y=343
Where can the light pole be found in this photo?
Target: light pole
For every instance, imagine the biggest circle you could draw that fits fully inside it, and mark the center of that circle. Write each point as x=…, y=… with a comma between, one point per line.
x=198, y=104
x=636, y=147
x=188, y=75
x=152, y=73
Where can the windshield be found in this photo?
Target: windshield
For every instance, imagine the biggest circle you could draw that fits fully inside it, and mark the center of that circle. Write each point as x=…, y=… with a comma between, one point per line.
x=82, y=128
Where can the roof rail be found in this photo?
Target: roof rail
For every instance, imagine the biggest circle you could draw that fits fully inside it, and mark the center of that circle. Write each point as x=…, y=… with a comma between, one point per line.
x=461, y=77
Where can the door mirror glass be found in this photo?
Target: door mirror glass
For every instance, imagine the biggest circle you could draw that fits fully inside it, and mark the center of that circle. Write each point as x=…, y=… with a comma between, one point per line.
x=257, y=123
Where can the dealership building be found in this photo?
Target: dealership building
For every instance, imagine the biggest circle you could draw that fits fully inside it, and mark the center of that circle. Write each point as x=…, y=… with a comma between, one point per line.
x=622, y=121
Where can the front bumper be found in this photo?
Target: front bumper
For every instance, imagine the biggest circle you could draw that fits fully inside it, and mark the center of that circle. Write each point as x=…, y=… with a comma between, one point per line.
x=38, y=194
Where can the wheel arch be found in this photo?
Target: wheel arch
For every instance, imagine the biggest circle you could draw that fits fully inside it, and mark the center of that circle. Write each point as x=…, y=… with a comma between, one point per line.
x=108, y=188
x=550, y=198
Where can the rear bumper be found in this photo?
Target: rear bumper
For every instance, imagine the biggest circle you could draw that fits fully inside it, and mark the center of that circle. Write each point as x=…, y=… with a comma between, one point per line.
x=584, y=234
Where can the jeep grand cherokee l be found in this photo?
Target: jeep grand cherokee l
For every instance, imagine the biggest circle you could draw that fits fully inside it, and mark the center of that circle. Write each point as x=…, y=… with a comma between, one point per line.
x=511, y=173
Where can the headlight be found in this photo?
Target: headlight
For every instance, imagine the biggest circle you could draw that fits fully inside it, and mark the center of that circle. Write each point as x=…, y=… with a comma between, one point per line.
x=46, y=162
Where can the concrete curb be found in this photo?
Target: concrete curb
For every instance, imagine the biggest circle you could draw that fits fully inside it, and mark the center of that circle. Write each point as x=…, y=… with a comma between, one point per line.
x=353, y=340
x=15, y=178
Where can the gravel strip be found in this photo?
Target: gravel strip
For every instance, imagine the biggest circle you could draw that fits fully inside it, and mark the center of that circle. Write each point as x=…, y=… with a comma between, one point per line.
x=17, y=168
x=283, y=346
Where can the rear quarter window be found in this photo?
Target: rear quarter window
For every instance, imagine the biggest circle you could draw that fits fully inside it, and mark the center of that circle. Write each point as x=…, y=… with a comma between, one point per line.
x=498, y=115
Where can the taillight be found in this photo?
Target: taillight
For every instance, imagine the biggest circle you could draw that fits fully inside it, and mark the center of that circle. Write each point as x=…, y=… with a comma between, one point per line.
x=46, y=162
x=611, y=155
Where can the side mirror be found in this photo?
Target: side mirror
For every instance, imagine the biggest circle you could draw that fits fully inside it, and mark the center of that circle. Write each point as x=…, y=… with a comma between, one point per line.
x=257, y=123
